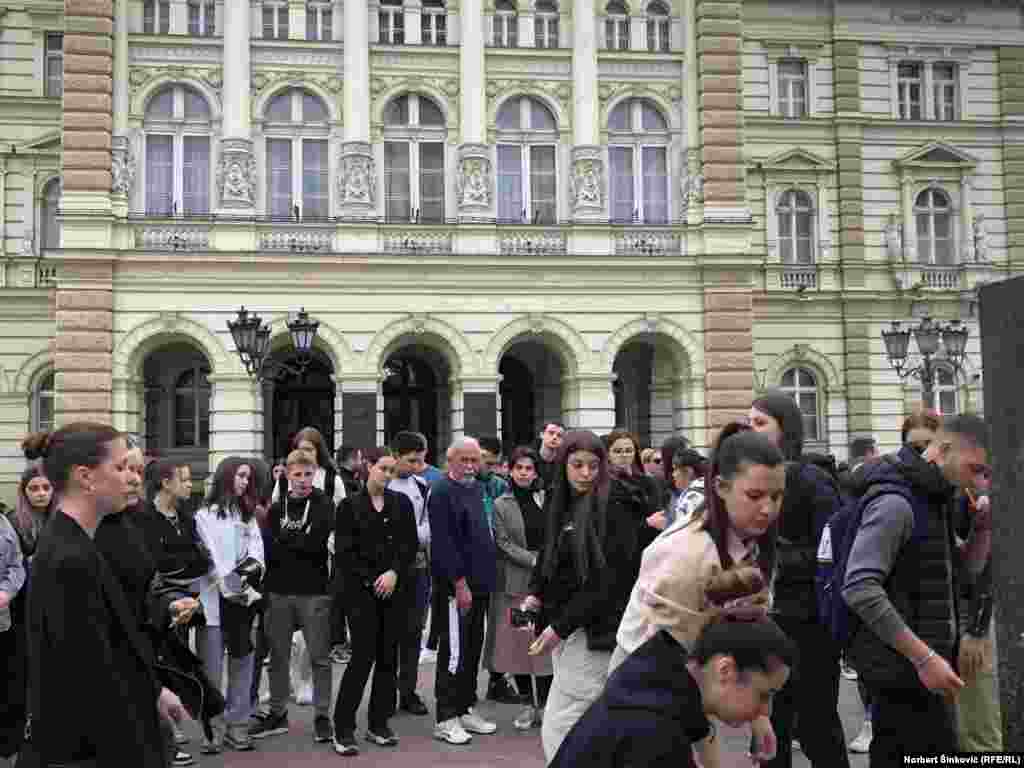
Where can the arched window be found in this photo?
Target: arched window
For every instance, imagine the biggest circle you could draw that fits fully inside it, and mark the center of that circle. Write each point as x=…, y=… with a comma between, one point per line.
x=391, y=18
x=545, y=24
x=638, y=153
x=506, y=24
x=177, y=126
x=41, y=405
x=527, y=146
x=319, y=20
x=414, y=136
x=796, y=225
x=616, y=26
x=657, y=27
x=49, y=230
x=192, y=408
x=947, y=390
x=433, y=23
x=934, y=214
x=295, y=124
x=802, y=385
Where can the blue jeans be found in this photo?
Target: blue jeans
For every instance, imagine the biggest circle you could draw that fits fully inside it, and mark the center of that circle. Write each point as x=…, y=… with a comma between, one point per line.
x=210, y=644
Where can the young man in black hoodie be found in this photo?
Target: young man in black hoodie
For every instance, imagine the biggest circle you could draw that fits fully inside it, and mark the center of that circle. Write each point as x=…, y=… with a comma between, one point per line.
x=657, y=702
x=295, y=543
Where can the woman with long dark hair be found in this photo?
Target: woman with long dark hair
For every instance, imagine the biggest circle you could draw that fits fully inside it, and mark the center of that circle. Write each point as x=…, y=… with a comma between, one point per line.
x=309, y=440
x=34, y=505
x=228, y=527
x=634, y=487
x=581, y=581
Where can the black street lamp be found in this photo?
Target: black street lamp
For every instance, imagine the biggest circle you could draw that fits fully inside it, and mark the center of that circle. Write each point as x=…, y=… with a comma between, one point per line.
x=252, y=341
x=932, y=339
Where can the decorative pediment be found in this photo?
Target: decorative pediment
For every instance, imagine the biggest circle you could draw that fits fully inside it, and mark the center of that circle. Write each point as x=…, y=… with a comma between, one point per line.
x=795, y=159
x=936, y=155
x=46, y=142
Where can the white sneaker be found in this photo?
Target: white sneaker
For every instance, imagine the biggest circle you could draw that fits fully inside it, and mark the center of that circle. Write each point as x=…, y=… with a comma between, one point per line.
x=848, y=672
x=473, y=723
x=451, y=730
x=428, y=656
x=862, y=744
x=526, y=719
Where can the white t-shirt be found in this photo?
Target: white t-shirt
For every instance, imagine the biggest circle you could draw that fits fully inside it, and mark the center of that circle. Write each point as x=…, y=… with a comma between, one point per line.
x=412, y=491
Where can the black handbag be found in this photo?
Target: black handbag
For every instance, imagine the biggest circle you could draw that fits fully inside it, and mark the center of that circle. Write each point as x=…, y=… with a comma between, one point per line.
x=181, y=671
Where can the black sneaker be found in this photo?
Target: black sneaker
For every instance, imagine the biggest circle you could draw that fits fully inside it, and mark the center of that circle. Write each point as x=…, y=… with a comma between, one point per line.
x=414, y=705
x=271, y=725
x=381, y=735
x=500, y=691
x=322, y=730
x=345, y=744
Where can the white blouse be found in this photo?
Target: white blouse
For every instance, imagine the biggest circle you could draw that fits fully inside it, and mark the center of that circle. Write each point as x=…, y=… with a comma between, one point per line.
x=230, y=541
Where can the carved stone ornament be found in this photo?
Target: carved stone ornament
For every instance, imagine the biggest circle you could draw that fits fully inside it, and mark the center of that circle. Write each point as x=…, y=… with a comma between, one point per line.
x=236, y=178
x=122, y=170
x=28, y=242
x=474, y=180
x=894, y=239
x=588, y=182
x=357, y=182
x=980, y=238
x=691, y=189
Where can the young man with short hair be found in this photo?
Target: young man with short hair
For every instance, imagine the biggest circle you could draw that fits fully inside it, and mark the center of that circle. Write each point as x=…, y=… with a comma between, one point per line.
x=297, y=588
x=550, y=441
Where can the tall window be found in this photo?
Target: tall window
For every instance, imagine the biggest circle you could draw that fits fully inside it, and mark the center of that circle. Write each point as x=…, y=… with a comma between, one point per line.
x=54, y=64
x=295, y=124
x=434, y=23
x=908, y=77
x=657, y=27
x=156, y=17
x=49, y=235
x=392, y=22
x=796, y=225
x=414, y=134
x=506, y=24
x=638, y=153
x=201, y=17
x=545, y=24
x=616, y=27
x=319, y=21
x=41, y=405
x=275, y=20
x=527, y=141
x=177, y=126
x=792, y=88
x=192, y=409
x=947, y=395
x=802, y=385
x=934, y=215
x=944, y=93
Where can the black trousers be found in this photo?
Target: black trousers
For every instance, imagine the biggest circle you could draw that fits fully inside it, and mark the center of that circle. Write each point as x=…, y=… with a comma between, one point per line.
x=376, y=625
x=811, y=697
x=909, y=721
x=409, y=646
x=538, y=694
x=261, y=647
x=455, y=684
x=339, y=621
x=13, y=699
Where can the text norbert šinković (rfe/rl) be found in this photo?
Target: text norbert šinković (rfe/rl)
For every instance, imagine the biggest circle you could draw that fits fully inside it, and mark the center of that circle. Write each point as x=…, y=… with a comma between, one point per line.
x=965, y=758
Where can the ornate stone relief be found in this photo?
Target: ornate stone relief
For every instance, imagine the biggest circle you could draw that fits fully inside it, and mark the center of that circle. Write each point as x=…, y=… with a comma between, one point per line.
x=559, y=91
x=474, y=180
x=894, y=238
x=587, y=180
x=357, y=179
x=190, y=53
x=929, y=16
x=122, y=167
x=263, y=79
x=669, y=91
x=28, y=242
x=980, y=236
x=212, y=77
x=236, y=174
x=691, y=189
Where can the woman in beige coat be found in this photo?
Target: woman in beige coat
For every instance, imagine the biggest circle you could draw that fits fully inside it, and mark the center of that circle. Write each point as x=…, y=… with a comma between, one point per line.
x=519, y=535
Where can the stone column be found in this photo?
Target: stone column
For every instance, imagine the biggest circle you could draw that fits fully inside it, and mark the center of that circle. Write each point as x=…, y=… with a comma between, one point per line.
x=692, y=184
x=728, y=356
x=475, y=177
x=595, y=403
x=122, y=155
x=588, y=158
x=236, y=417
x=1011, y=97
x=236, y=169
x=357, y=176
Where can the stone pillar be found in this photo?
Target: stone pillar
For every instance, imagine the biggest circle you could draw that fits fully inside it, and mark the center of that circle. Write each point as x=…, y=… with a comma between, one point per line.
x=1011, y=97
x=849, y=140
x=588, y=180
x=236, y=417
x=84, y=345
x=728, y=356
x=362, y=416
x=357, y=177
x=296, y=19
x=475, y=177
x=236, y=169
x=692, y=185
x=857, y=348
x=595, y=403
x=122, y=155
x=479, y=406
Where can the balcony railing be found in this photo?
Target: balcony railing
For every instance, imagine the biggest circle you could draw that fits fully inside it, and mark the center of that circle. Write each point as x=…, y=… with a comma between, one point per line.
x=297, y=240
x=941, y=277
x=802, y=276
x=172, y=238
x=527, y=242
x=648, y=243
x=413, y=241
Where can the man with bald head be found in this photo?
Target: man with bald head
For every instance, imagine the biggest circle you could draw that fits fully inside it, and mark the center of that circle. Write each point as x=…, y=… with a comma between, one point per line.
x=463, y=557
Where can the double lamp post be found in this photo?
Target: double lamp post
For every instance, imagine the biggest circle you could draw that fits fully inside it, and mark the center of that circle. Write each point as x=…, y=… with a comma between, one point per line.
x=937, y=343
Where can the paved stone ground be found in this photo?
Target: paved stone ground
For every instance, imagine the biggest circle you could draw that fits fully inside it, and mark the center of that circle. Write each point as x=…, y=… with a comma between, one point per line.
x=418, y=749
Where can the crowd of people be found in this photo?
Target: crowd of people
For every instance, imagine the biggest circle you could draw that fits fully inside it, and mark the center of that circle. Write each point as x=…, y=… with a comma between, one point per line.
x=624, y=596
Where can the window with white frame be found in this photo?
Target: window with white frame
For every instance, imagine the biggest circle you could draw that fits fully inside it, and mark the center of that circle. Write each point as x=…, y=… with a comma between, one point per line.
x=201, y=18
x=795, y=211
x=391, y=18
x=638, y=157
x=54, y=64
x=177, y=166
x=792, y=87
x=909, y=87
x=49, y=229
x=156, y=17
x=41, y=405
x=657, y=27
x=947, y=391
x=616, y=27
x=545, y=24
x=929, y=89
x=433, y=23
x=275, y=20
x=802, y=385
x=414, y=136
x=527, y=145
x=944, y=91
x=319, y=21
x=933, y=212
x=192, y=408
x=506, y=24
x=295, y=123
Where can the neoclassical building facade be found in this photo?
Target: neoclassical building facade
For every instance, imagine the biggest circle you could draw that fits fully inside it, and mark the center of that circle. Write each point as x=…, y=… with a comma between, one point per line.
x=501, y=212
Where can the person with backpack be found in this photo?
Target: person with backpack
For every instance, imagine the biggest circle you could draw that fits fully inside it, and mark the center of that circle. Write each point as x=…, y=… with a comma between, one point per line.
x=896, y=561
x=812, y=498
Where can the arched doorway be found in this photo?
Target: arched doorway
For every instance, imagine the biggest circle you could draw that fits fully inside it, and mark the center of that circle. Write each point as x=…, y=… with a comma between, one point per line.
x=417, y=396
x=299, y=401
x=531, y=391
x=649, y=397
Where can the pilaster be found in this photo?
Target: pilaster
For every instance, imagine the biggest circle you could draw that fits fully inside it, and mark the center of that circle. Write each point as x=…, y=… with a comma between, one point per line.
x=357, y=178
x=595, y=403
x=588, y=183
x=1011, y=97
x=479, y=407
x=728, y=356
x=236, y=169
x=857, y=349
x=849, y=141
x=362, y=409
x=236, y=417
x=122, y=159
